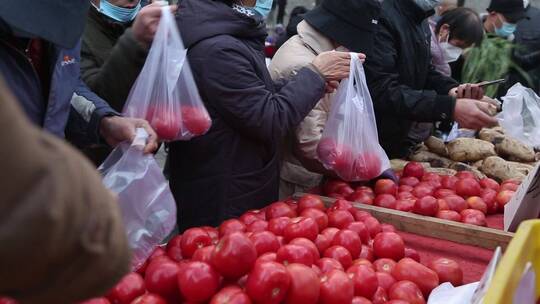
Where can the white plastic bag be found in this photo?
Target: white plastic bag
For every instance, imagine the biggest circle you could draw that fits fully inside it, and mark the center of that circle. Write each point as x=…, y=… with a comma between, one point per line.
x=520, y=116
x=350, y=145
x=146, y=202
x=165, y=93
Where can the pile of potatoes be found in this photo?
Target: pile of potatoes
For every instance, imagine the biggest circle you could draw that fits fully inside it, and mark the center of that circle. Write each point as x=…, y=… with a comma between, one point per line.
x=492, y=154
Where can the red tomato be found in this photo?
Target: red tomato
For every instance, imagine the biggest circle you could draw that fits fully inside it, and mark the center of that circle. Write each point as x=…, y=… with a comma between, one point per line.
x=442, y=193
x=289, y=254
x=198, y=281
x=468, y=187
x=341, y=204
x=345, y=190
x=174, y=242
x=264, y=241
x=385, y=201
x=165, y=123
x=465, y=174
x=231, y=295
x=405, y=205
x=91, y=301
x=367, y=253
x=258, y=225
x=443, y=205
x=360, y=300
x=473, y=217
x=410, y=181
x=304, y=227
x=488, y=196
x=427, y=205
x=204, y=254
x=193, y=239
x=332, y=186
x=384, y=265
x=509, y=187
x=411, y=270
x=449, y=215
x=360, y=215
x=336, y=288
x=175, y=253
x=405, y=194
x=385, y=280
x=305, y=285
x=318, y=216
x=157, y=253
x=196, y=120
x=267, y=257
x=365, y=189
x=449, y=182
x=234, y=255
x=249, y=217
x=162, y=279
x=448, y=271
x=413, y=169
x=407, y=291
x=268, y=282
x=340, y=254
x=488, y=183
x=339, y=218
x=212, y=232
x=364, y=280
x=456, y=203
x=279, y=209
x=327, y=264
x=322, y=242
x=386, y=186
x=310, y=201
x=380, y=297
x=349, y=240
x=361, y=197
x=373, y=225
x=503, y=198
x=330, y=233
x=230, y=226
x=421, y=191
x=277, y=225
x=388, y=228
x=125, y=291
x=477, y=203
x=363, y=262
x=309, y=245
x=413, y=254
x=389, y=245
x=360, y=229
x=149, y=298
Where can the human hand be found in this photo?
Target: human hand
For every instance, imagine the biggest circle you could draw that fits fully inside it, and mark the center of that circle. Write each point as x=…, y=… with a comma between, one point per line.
x=117, y=129
x=146, y=23
x=468, y=90
x=474, y=114
x=333, y=65
x=331, y=86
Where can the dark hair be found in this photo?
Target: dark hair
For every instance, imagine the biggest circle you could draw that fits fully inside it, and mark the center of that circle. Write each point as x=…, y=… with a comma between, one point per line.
x=465, y=24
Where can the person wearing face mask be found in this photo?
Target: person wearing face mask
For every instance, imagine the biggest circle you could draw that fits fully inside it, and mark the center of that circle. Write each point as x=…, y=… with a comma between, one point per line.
x=503, y=17
x=235, y=166
x=405, y=86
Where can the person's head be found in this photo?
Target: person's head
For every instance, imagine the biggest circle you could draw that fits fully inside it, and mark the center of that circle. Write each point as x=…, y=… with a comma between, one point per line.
x=446, y=5
x=123, y=11
x=457, y=30
x=348, y=23
x=262, y=7
x=503, y=16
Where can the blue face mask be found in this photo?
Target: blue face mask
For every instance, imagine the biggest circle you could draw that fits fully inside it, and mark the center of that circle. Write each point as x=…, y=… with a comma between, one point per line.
x=506, y=30
x=263, y=7
x=120, y=14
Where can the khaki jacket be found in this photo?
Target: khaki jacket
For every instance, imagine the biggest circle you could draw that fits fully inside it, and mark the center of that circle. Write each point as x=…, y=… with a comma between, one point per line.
x=61, y=236
x=300, y=169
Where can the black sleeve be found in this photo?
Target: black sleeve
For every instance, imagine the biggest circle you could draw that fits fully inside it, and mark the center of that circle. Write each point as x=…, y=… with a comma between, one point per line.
x=527, y=60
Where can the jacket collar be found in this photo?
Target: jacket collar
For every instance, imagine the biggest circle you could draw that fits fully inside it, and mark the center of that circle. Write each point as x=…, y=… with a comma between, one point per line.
x=314, y=39
x=110, y=26
x=413, y=11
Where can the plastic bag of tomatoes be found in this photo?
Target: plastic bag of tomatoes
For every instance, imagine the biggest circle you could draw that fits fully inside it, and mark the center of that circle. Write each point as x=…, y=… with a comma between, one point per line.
x=165, y=93
x=349, y=145
x=146, y=202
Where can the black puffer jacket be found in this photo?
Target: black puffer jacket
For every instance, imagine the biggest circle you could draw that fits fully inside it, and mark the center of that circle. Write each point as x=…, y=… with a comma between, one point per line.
x=404, y=84
x=235, y=167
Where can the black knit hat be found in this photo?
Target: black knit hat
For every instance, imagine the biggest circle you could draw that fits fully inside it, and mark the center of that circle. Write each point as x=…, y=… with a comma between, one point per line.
x=351, y=23
x=513, y=10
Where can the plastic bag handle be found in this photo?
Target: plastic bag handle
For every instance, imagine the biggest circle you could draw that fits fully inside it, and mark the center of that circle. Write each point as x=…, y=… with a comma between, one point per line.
x=141, y=137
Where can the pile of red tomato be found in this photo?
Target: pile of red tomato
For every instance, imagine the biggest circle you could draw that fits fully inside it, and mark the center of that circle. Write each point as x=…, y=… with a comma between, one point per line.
x=460, y=198
x=289, y=252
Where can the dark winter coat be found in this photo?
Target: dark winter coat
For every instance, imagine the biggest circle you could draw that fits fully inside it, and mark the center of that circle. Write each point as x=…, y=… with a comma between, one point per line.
x=235, y=166
x=404, y=84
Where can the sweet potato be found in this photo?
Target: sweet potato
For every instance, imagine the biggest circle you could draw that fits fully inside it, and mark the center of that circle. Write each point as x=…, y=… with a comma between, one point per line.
x=464, y=167
x=441, y=171
x=489, y=135
x=470, y=149
x=433, y=159
x=437, y=146
x=508, y=147
x=499, y=169
x=520, y=167
x=478, y=164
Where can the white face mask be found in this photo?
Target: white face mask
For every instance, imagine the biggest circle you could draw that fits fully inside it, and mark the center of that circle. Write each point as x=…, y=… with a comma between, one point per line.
x=451, y=52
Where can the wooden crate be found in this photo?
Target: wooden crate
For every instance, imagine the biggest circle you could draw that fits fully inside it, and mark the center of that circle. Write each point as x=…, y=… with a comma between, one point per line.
x=467, y=234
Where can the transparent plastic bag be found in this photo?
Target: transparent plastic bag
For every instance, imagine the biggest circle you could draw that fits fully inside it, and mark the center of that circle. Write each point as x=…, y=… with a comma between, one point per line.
x=146, y=202
x=165, y=93
x=520, y=116
x=350, y=145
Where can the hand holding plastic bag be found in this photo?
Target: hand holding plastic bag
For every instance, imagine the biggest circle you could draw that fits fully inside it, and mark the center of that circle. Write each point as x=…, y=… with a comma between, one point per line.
x=165, y=93
x=146, y=202
x=350, y=145
x=520, y=116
